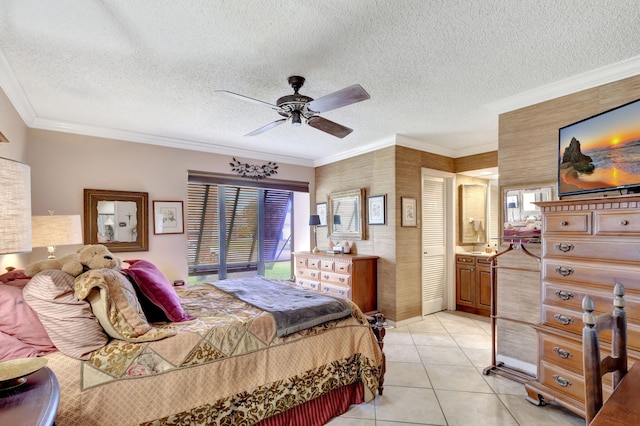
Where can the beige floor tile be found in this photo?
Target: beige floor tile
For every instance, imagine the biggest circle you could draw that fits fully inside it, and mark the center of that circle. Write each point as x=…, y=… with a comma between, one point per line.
x=401, y=353
x=366, y=410
x=427, y=327
x=433, y=339
x=528, y=414
x=443, y=355
x=473, y=341
x=478, y=357
x=401, y=337
x=406, y=374
x=504, y=386
x=349, y=421
x=463, y=328
x=400, y=404
x=457, y=378
x=478, y=409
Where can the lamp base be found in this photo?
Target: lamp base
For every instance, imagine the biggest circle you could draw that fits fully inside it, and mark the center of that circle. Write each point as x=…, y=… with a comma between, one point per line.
x=316, y=250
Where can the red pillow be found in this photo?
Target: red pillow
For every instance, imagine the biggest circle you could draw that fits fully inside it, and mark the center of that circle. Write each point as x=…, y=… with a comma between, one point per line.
x=157, y=288
x=15, y=278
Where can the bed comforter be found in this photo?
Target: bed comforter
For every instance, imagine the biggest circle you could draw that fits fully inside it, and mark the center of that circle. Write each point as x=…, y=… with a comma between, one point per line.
x=227, y=366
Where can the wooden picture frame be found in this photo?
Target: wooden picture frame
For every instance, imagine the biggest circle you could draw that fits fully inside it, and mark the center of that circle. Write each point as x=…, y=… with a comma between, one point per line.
x=116, y=219
x=377, y=210
x=168, y=217
x=321, y=210
x=409, y=207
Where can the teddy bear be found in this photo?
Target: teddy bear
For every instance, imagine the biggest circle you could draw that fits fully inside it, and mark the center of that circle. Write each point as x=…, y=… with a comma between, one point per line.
x=93, y=256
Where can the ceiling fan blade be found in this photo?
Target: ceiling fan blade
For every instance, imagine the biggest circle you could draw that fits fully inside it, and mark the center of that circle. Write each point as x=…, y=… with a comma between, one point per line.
x=347, y=96
x=328, y=126
x=267, y=127
x=248, y=99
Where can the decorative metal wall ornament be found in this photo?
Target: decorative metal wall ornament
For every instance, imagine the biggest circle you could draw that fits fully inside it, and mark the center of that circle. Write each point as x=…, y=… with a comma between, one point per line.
x=254, y=171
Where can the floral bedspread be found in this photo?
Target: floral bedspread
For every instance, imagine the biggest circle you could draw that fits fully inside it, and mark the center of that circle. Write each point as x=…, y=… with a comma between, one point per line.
x=226, y=366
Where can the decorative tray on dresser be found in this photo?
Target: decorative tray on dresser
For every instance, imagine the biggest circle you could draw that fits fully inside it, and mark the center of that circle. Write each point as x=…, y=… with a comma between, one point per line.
x=588, y=245
x=351, y=276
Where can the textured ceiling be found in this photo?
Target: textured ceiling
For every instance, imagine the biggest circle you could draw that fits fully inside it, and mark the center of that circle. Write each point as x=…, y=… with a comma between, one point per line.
x=437, y=71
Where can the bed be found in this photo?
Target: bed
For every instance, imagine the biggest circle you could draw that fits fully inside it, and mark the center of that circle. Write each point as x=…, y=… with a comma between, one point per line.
x=225, y=361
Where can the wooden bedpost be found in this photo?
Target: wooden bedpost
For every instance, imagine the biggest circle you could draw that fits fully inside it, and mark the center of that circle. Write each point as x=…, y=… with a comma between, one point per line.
x=377, y=325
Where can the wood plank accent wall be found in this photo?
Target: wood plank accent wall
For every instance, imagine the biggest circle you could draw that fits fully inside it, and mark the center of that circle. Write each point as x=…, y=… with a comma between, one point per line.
x=528, y=155
x=396, y=172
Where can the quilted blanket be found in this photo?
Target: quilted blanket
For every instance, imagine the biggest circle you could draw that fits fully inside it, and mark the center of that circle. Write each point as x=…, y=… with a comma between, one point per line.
x=227, y=366
x=293, y=309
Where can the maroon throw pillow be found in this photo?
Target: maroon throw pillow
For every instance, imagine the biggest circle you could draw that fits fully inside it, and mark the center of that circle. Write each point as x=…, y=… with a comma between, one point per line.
x=157, y=289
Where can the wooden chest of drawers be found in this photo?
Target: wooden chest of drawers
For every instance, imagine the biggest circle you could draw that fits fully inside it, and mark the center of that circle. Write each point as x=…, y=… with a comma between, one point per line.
x=353, y=277
x=588, y=246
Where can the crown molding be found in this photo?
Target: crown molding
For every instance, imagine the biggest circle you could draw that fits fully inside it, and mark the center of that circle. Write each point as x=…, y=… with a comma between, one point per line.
x=389, y=141
x=14, y=92
x=587, y=80
x=200, y=146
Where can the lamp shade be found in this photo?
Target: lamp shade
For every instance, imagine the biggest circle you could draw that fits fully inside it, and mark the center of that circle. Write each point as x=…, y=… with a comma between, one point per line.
x=314, y=220
x=15, y=207
x=56, y=230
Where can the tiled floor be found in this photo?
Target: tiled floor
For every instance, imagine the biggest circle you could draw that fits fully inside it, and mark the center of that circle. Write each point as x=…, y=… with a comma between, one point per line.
x=434, y=377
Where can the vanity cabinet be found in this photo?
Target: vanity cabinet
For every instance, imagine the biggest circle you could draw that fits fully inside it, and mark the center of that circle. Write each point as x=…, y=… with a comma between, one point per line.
x=473, y=284
x=588, y=246
x=350, y=276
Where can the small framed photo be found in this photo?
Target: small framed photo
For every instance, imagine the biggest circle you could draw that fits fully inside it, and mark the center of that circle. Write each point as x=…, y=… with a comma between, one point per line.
x=409, y=211
x=321, y=210
x=168, y=217
x=376, y=210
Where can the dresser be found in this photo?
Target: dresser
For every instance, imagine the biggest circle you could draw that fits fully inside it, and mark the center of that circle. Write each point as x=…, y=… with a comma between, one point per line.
x=473, y=284
x=350, y=276
x=588, y=246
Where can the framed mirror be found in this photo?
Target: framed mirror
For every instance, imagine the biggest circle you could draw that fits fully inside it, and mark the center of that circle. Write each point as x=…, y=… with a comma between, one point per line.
x=472, y=201
x=521, y=218
x=345, y=217
x=116, y=219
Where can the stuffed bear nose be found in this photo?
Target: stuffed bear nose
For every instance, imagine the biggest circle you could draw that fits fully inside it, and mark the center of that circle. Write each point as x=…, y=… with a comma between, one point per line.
x=108, y=257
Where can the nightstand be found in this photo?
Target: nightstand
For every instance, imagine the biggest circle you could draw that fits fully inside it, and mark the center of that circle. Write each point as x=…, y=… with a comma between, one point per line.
x=33, y=403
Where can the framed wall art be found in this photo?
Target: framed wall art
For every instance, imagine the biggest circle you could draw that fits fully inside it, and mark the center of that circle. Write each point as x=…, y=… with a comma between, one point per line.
x=168, y=217
x=376, y=210
x=409, y=211
x=321, y=210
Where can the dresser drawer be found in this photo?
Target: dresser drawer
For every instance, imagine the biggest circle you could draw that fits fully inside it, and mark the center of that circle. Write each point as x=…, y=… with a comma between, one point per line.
x=562, y=319
x=562, y=380
x=569, y=296
x=343, y=267
x=313, y=263
x=301, y=262
x=619, y=251
x=336, y=291
x=605, y=275
x=308, y=284
x=339, y=279
x=617, y=223
x=312, y=274
x=326, y=265
x=563, y=352
x=465, y=259
x=578, y=223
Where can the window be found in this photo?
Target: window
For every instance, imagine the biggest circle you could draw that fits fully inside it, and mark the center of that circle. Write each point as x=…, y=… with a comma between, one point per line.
x=238, y=230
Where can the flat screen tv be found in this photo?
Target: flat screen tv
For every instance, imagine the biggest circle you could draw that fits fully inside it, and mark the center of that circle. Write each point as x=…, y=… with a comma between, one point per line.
x=601, y=153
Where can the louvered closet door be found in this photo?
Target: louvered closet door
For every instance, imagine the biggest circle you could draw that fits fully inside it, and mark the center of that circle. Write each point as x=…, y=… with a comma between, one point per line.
x=434, y=242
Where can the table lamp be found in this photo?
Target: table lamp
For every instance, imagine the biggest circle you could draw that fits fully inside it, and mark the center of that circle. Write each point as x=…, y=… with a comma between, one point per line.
x=15, y=207
x=314, y=220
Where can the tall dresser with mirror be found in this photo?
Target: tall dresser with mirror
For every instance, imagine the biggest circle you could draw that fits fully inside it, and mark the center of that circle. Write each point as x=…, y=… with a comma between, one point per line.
x=588, y=245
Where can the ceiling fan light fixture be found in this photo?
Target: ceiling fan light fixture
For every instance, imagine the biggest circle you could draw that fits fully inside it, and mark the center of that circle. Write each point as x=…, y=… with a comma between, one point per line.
x=295, y=118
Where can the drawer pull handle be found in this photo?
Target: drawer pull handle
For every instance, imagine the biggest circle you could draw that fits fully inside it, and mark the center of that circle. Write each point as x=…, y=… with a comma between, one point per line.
x=326, y=290
x=624, y=222
x=562, y=381
x=313, y=274
x=341, y=280
x=564, y=223
x=564, y=295
x=564, y=271
x=341, y=292
x=562, y=353
x=326, y=277
x=564, y=247
x=563, y=319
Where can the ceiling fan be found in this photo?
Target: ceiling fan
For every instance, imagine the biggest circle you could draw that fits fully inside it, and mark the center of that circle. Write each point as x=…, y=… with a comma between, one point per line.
x=297, y=107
